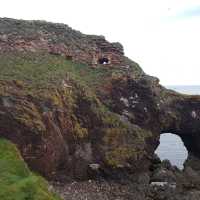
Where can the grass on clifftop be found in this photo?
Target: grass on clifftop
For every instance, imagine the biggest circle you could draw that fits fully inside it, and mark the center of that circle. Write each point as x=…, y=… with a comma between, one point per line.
x=16, y=180
x=41, y=70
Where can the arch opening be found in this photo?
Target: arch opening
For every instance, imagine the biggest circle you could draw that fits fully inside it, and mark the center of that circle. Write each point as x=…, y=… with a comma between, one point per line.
x=103, y=61
x=172, y=148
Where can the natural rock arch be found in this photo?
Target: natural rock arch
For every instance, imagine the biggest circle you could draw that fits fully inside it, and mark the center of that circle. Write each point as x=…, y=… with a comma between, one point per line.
x=172, y=148
x=183, y=119
x=154, y=108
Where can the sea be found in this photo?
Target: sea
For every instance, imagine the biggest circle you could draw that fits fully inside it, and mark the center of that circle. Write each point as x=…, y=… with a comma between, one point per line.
x=171, y=146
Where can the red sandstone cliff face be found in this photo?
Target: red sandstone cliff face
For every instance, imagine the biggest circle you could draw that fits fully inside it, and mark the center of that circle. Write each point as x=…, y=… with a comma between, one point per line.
x=63, y=132
x=58, y=39
x=76, y=121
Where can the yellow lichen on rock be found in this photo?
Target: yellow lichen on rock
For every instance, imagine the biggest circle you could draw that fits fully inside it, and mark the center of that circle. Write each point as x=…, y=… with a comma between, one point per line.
x=119, y=156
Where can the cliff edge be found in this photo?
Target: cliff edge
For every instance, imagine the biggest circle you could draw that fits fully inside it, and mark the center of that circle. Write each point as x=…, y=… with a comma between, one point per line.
x=76, y=107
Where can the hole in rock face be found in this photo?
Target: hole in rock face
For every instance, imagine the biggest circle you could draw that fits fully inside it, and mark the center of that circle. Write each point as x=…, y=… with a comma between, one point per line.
x=172, y=148
x=68, y=57
x=103, y=61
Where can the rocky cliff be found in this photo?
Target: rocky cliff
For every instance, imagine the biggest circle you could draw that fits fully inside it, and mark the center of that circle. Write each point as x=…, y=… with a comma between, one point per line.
x=58, y=39
x=76, y=107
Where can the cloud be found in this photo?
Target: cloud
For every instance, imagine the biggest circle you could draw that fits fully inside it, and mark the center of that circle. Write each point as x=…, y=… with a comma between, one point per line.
x=189, y=13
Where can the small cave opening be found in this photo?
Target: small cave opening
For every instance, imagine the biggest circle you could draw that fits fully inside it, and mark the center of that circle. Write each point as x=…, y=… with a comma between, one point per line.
x=172, y=148
x=68, y=57
x=103, y=61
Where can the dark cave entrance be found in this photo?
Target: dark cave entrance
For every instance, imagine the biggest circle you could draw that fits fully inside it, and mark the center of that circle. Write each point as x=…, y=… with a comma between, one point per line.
x=103, y=61
x=68, y=57
x=172, y=148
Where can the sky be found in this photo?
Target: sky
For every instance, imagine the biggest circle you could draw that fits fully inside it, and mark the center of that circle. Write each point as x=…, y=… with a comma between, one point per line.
x=162, y=36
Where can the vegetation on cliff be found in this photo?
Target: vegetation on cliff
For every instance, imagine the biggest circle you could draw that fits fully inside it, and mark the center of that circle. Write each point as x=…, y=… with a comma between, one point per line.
x=17, y=182
x=42, y=70
x=50, y=96
x=72, y=115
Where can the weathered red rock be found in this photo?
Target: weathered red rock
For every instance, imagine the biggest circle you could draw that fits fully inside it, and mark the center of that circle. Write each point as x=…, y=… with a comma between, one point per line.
x=65, y=128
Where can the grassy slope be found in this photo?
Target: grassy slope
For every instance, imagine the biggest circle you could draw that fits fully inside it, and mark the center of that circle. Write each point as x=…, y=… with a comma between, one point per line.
x=44, y=70
x=16, y=180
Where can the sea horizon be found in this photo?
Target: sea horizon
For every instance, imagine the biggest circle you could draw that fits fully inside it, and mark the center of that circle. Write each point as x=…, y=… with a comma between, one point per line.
x=185, y=89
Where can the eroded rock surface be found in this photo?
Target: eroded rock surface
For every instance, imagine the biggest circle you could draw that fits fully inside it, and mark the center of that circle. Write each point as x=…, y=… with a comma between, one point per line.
x=58, y=39
x=65, y=115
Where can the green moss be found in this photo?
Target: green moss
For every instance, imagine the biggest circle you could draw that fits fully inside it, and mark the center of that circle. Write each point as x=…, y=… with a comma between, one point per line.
x=17, y=182
x=40, y=70
x=118, y=153
x=28, y=115
x=55, y=98
x=80, y=132
x=124, y=144
x=119, y=156
x=112, y=135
